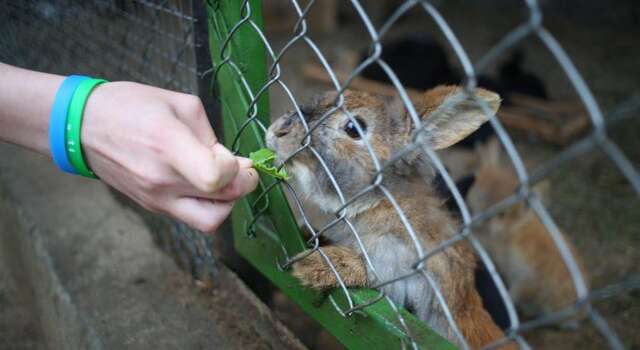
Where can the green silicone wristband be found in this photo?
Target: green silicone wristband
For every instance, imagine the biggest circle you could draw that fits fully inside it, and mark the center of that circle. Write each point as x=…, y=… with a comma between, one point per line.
x=74, y=124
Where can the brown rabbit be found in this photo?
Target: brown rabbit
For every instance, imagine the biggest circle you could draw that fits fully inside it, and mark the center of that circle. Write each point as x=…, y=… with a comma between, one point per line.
x=449, y=115
x=522, y=249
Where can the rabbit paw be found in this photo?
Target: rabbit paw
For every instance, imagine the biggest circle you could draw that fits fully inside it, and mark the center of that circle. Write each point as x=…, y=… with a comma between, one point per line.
x=313, y=271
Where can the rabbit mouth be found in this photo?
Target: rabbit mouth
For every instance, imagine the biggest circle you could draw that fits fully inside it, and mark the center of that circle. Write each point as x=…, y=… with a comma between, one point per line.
x=278, y=162
x=271, y=140
x=282, y=148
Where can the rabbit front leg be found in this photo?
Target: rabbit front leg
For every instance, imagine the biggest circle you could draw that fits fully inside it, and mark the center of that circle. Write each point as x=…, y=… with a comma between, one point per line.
x=313, y=271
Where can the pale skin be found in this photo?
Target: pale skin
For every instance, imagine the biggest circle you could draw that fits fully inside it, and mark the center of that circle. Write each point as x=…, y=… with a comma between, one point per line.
x=154, y=145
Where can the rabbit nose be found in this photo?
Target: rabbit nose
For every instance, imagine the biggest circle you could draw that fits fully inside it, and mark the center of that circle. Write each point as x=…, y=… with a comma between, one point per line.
x=283, y=126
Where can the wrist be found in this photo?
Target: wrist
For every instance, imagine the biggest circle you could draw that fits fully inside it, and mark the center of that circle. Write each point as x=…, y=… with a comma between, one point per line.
x=24, y=117
x=97, y=130
x=74, y=122
x=62, y=145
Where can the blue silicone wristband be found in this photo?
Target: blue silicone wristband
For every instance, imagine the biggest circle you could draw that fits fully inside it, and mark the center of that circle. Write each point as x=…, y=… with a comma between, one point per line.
x=57, y=123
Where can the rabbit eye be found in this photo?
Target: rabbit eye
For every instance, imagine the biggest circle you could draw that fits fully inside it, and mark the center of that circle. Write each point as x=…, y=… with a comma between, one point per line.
x=351, y=129
x=501, y=215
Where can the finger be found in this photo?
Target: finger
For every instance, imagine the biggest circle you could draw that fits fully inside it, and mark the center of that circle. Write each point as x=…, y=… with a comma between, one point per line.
x=244, y=162
x=190, y=110
x=207, y=169
x=201, y=214
x=244, y=183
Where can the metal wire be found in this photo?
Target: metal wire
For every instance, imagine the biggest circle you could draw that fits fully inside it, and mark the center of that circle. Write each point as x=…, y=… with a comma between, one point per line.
x=532, y=26
x=140, y=40
x=130, y=40
x=152, y=42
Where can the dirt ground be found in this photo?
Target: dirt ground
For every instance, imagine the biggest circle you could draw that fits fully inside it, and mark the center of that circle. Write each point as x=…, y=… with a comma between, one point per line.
x=591, y=200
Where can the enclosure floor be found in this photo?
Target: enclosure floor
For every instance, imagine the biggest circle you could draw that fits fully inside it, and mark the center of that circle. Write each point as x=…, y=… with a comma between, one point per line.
x=19, y=327
x=109, y=286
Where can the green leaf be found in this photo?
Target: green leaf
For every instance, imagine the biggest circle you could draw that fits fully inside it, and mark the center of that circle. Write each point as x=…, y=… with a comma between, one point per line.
x=262, y=156
x=263, y=161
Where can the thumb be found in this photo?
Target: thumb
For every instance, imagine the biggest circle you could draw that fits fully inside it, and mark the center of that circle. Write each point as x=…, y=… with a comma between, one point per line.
x=208, y=169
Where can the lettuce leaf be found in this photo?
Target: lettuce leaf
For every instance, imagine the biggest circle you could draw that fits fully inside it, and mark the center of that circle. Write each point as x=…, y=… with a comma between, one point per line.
x=263, y=161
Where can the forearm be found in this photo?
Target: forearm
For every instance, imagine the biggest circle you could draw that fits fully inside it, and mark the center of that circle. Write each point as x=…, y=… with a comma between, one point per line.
x=26, y=98
x=155, y=146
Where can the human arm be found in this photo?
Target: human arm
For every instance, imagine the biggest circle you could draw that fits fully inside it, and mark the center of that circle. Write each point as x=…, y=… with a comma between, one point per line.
x=155, y=146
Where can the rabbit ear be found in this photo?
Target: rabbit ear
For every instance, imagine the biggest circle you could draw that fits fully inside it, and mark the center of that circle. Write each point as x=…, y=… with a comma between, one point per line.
x=450, y=114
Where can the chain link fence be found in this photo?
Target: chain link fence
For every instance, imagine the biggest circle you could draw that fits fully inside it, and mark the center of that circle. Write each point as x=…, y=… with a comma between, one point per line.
x=237, y=28
x=139, y=40
x=162, y=43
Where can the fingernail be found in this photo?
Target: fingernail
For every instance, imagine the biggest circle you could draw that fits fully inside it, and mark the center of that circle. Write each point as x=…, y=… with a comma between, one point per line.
x=244, y=162
x=220, y=148
x=253, y=175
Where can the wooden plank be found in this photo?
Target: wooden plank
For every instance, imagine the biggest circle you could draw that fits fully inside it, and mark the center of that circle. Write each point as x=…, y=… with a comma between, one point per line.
x=319, y=74
x=557, y=122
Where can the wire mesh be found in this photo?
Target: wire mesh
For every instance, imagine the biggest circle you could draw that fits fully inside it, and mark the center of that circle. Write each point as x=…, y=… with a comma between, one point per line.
x=150, y=42
x=531, y=27
x=153, y=42
x=126, y=40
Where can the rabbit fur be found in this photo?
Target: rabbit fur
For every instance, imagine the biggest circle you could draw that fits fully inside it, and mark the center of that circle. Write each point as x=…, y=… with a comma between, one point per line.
x=448, y=114
x=523, y=251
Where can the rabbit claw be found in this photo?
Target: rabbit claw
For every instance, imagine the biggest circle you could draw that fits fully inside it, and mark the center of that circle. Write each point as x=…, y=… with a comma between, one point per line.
x=313, y=271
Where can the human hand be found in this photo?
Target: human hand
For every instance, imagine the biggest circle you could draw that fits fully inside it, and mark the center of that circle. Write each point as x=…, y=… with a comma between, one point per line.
x=157, y=147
